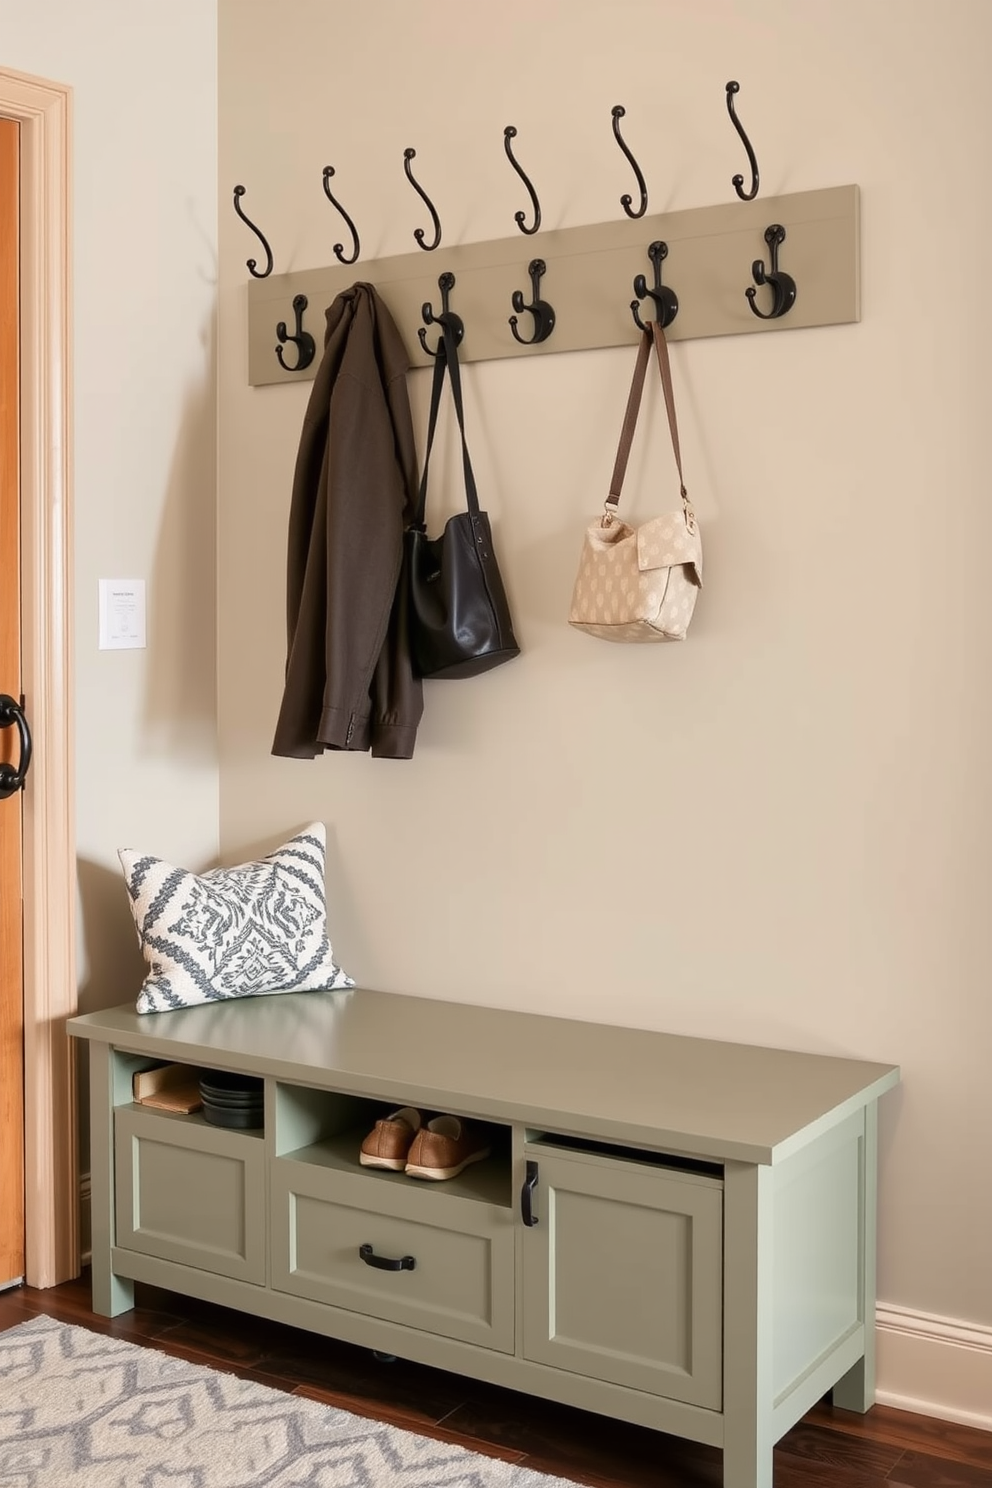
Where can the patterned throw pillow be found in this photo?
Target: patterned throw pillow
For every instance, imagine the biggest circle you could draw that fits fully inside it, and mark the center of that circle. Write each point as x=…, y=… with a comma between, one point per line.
x=246, y=931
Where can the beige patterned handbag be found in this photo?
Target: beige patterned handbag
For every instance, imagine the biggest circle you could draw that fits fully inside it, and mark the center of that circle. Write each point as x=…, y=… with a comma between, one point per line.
x=640, y=584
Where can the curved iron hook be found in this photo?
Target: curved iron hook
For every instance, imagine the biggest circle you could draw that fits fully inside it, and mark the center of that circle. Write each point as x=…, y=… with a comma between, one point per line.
x=419, y=233
x=627, y=201
x=239, y=192
x=666, y=301
x=339, y=252
x=783, y=285
x=543, y=313
x=738, y=180
x=447, y=319
x=510, y=133
x=306, y=347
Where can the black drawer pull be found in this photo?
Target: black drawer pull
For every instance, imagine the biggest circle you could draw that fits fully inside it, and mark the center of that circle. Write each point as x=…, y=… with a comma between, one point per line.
x=527, y=1196
x=383, y=1263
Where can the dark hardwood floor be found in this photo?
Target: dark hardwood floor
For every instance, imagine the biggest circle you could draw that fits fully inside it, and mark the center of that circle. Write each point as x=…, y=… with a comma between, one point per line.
x=827, y=1449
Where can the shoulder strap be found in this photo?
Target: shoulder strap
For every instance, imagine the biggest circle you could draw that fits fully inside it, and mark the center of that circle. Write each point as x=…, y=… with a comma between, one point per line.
x=665, y=368
x=455, y=377
x=627, y=431
x=652, y=333
x=446, y=360
x=436, y=385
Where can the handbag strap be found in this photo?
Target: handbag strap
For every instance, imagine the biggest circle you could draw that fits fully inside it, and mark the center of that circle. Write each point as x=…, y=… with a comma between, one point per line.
x=652, y=333
x=446, y=360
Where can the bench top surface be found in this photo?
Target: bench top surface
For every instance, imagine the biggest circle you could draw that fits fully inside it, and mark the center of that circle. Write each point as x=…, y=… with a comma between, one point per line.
x=702, y=1097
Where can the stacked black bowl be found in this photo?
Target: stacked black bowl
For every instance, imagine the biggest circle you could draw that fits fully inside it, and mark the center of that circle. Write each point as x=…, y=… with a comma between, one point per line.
x=232, y=1100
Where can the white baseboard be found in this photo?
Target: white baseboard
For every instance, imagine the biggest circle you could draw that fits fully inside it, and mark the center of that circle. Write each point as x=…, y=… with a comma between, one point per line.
x=934, y=1366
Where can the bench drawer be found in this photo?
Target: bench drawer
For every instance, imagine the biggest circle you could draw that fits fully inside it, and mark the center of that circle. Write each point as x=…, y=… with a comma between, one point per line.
x=455, y=1275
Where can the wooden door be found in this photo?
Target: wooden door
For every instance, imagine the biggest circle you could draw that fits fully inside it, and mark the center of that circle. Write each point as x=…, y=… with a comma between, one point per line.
x=11, y=950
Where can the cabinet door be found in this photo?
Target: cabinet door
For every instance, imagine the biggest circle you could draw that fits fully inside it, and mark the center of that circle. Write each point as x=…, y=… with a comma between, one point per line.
x=623, y=1275
x=191, y=1193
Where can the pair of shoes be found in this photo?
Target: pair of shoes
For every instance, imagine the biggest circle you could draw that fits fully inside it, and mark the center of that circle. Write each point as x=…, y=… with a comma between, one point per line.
x=440, y=1148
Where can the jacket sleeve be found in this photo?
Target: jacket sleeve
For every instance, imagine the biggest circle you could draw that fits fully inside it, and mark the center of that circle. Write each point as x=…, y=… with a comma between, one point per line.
x=365, y=500
x=299, y=714
x=397, y=695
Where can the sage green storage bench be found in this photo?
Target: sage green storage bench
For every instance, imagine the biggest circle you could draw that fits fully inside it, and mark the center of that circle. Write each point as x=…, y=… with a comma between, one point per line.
x=672, y=1231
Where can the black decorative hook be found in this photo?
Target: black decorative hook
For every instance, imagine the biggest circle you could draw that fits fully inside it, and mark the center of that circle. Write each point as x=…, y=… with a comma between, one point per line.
x=339, y=252
x=239, y=192
x=665, y=300
x=783, y=285
x=738, y=180
x=447, y=319
x=510, y=133
x=419, y=233
x=627, y=201
x=544, y=315
x=303, y=341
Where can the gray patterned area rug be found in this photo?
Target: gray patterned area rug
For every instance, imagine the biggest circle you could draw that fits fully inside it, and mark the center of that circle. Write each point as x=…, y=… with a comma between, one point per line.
x=80, y=1410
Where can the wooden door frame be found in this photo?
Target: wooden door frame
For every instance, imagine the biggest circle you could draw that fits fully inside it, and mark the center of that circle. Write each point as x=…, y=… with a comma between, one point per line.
x=11, y=831
x=43, y=110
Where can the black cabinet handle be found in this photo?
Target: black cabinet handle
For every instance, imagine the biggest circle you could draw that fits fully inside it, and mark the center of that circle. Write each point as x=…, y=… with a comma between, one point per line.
x=11, y=716
x=385, y=1263
x=527, y=1196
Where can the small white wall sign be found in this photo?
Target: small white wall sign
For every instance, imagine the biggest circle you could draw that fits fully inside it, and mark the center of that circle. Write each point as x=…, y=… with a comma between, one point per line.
x=122, y=614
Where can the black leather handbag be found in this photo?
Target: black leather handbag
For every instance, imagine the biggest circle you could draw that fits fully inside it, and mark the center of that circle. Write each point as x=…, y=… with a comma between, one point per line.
x=459, y=618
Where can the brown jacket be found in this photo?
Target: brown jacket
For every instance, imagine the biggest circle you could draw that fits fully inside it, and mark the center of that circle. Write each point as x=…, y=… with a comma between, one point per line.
x=349, y=683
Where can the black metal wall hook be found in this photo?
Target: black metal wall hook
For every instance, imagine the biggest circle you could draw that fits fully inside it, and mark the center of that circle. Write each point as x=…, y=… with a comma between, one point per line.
x=447, y=319
x=239, y=192
x=339, y=252
x=627, y=201
x=419, y=234
x=544, y=315
x=510, y=133
x=306, y=347
x=783, y=285
x=738, y=180
x=666, y=301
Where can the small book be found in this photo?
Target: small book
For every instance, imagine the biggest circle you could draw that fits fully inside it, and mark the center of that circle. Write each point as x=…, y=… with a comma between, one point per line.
x=170, y=1087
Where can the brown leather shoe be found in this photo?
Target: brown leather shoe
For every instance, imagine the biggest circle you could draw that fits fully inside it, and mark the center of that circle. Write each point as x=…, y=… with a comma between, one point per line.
x=388, y=1143
x=445, y=1146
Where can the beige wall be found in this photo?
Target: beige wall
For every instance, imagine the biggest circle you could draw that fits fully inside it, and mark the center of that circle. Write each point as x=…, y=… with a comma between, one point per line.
x=775, y=833
x=144, y=269
x=778, y=832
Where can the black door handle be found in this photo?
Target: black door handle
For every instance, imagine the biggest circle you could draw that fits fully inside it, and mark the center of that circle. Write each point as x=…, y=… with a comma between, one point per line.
x=11, y=779
x=384, y=1263
x=527, y=1196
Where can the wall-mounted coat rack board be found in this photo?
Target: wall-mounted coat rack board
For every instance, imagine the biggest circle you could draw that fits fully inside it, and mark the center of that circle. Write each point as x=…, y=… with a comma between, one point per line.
x=586, y=279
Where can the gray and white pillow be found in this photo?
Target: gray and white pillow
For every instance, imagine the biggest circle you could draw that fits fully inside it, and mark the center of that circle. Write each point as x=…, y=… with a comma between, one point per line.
x=248, y=931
